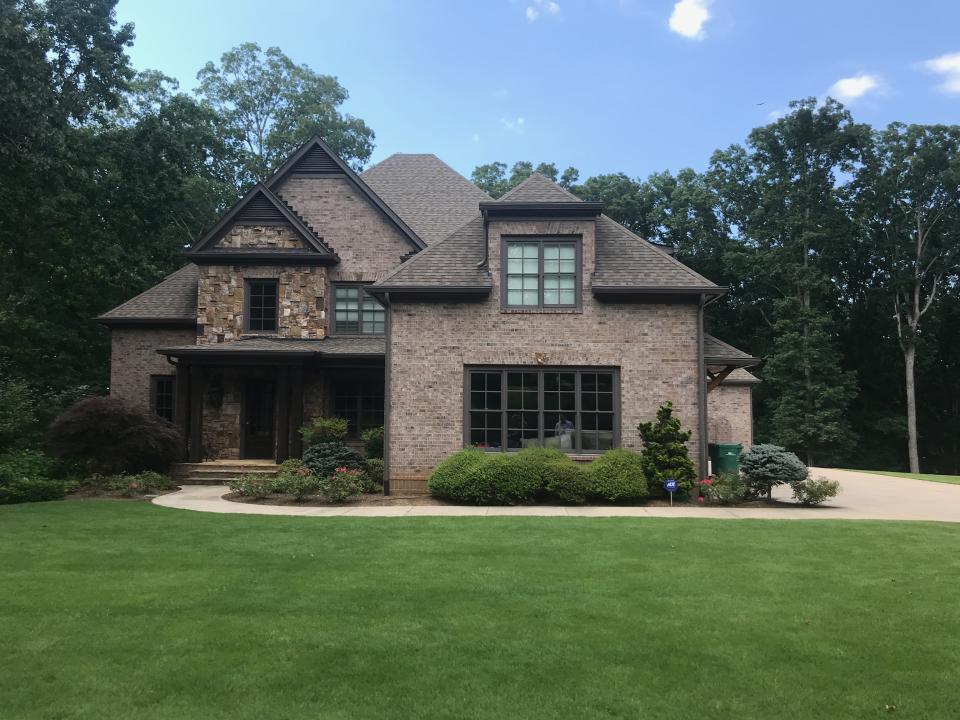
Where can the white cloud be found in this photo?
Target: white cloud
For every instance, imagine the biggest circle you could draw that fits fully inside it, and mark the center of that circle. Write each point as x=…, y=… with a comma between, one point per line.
x=516, y=125
x=948, y=67
x=852, y=88
x=775, y=115
x=689, y=17
x=539, y=7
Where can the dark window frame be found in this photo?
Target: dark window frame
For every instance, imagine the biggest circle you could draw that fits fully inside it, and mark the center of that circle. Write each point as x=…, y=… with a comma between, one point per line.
x=248, y=284
x=339, y=385
x=362, y=288
x=580, y=370
x=540, y=241
x=155, y=394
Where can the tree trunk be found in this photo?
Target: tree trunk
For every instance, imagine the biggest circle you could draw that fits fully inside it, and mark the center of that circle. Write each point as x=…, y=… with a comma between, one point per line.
x=909, y=354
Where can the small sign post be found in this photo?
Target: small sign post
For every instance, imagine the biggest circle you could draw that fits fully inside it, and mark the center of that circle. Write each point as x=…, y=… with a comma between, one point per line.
x=670, y=485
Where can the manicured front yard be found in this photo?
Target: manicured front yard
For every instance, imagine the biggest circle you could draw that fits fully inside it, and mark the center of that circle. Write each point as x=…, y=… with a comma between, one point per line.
x=127, y=610
x=952, y=479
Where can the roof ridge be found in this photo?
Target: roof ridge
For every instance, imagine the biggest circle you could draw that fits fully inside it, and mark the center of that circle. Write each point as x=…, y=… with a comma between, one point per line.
x=532, y=177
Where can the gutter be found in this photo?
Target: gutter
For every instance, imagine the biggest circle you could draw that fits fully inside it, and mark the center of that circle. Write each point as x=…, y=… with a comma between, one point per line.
x=702, y=390
x=387, y=390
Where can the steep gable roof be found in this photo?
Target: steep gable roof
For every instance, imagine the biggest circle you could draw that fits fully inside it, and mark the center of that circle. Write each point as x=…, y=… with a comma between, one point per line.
x=172, y=301
x=260, y=205
x=317, y=159
x=432, y=197
x=539, y=188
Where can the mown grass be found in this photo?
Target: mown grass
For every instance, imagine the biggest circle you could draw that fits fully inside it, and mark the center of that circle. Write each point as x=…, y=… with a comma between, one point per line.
x=952, y=479
x=127, y=610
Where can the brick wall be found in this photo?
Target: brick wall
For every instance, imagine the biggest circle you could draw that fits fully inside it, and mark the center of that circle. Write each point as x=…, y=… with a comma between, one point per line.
x=134, y=358
x=367, y=242
x=653, y=344
x=730, y=414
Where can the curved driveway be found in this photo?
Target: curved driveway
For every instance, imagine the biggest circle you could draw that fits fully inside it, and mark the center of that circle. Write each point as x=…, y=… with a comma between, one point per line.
x=862, y=497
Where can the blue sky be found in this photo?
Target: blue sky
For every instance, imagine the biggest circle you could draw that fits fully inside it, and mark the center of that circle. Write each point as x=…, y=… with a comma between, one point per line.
x=605, y=85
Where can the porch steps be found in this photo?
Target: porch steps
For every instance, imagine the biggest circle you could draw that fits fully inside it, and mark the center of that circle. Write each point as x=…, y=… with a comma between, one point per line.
x=220, y=472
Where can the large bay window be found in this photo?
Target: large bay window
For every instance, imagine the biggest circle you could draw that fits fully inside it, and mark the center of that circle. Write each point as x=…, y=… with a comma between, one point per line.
x=541, y=272
x=516, y=408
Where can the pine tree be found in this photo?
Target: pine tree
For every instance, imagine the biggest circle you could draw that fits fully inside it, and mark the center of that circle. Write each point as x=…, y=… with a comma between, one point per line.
x=665, y=456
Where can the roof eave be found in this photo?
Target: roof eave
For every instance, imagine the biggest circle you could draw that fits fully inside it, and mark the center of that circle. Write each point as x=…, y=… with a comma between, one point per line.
x=225, y=257
x=747, y=361
x=499, y=208
x=146, y=321
x=677, y=290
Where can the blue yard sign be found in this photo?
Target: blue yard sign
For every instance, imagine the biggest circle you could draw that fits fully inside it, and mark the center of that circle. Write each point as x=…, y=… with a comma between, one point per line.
x=670, y=485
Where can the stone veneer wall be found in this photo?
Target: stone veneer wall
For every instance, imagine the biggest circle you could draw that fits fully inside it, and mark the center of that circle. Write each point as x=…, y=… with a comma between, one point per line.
x=730, y=414
x=220, y=305
x=261, y=236
x=134, y=358
x=367, y=242
x=653, y=344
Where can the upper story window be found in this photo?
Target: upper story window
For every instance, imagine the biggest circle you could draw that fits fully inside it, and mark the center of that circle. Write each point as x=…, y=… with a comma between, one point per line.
x=262, y=305
x=541, y=272
x=355, y=312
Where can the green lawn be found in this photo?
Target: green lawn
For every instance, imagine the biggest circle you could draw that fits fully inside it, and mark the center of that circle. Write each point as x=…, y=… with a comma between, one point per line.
x=953, y=479
x=127, y=610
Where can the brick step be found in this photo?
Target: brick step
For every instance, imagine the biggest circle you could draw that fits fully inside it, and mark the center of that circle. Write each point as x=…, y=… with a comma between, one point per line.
x=218, y=473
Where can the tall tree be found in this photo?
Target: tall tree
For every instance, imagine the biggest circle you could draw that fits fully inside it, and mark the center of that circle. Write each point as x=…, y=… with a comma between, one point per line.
x=273, y=105
x=493, y=179
x=909, y=199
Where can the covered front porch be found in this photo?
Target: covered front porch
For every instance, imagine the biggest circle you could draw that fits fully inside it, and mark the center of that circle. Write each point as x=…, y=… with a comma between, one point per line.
x=246, y=400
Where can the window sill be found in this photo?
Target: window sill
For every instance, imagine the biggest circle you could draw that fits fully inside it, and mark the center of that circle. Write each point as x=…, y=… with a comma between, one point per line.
x=541, y=310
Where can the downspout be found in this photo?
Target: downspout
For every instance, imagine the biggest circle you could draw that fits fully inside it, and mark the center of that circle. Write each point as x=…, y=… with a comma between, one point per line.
x=386, y=395
x=701, y=390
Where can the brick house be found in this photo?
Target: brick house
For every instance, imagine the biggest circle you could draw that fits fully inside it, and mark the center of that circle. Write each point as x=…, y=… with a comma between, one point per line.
x=407, y=297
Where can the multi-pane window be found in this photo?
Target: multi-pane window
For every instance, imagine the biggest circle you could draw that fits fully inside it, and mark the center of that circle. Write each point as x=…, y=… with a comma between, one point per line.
x=360, y=403
x=262, y=305
x=356, y=312
x=541, y=273
x=516, y=408
x=161, y=395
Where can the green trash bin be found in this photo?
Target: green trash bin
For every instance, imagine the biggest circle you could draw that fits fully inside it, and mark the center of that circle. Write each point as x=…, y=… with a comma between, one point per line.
x=725, y=457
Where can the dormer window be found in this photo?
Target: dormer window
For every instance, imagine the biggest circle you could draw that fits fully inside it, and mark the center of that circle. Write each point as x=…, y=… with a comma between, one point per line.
x=355, y=312
x=261, y=299
x=542, y=272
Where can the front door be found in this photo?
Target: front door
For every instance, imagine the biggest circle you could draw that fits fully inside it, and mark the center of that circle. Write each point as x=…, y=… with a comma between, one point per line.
x=258, y=419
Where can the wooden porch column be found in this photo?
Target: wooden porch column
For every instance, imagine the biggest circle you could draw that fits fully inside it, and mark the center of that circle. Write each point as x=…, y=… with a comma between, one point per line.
x=296, y=410
x=283, y=413
x=196, y=415
x=182, y=407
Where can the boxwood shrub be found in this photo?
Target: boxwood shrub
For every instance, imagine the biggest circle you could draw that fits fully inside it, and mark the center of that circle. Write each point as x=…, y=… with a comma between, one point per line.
x=446, y=479
x=618, y=477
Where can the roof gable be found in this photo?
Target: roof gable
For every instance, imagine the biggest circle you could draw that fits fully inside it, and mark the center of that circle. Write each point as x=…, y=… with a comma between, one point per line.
x=317, y=159
x=539, y=188
x=260, y=206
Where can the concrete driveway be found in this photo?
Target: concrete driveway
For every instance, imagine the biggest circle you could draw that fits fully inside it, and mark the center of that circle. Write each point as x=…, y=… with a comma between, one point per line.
x=862, y=497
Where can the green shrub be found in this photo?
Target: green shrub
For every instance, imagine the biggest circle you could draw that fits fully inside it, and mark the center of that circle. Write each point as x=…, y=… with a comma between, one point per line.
x=300, y=485
x=373, y=476
x=768, y=465
x=324, y=430
x=27, y=476
x=253, y=485
x=618, y=476
x=111, y=436
x=815, y=491
x=373, y=442
x=447, y=476
x=725, y=488
x=18, y=413
x=147, y=482
x=342, y=485
x=568, y=482
x=324, y=458
x=665, y=456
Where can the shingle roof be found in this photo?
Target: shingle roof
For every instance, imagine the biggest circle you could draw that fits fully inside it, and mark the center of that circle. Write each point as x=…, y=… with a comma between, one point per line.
x=334, y=346
x=539, y=188
x=625, y=260
x=173, y=299
x=430, y=196
x=452, y=262
x=717, y=352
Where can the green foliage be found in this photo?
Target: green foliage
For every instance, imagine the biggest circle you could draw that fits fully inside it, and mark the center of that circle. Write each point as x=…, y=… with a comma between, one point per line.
x=147, y=482
x=814, y=491
x=373, y=442
x=29, y=476
x=18, y=412
x=725, y=489
x=301, y=484
x=322, y=459
x=324, y=430
x=373, y=476
x=343, y=485
x=444, y=481
x=665, y=455
x=619, y=475
x=766, y=466
x=253, y=485
x=569, y=482
x=272, y=106
x=111, y=436
x=493, y=178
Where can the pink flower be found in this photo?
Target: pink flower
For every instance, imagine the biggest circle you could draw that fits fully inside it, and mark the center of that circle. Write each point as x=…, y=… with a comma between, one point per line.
x=342, y=469
x=700, y=499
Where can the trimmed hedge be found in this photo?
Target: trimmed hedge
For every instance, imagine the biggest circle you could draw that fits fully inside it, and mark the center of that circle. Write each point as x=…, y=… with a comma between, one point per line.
x=475, y=477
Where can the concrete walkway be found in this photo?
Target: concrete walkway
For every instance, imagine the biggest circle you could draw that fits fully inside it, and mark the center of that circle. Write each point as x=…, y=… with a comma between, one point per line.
x=862, y=497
